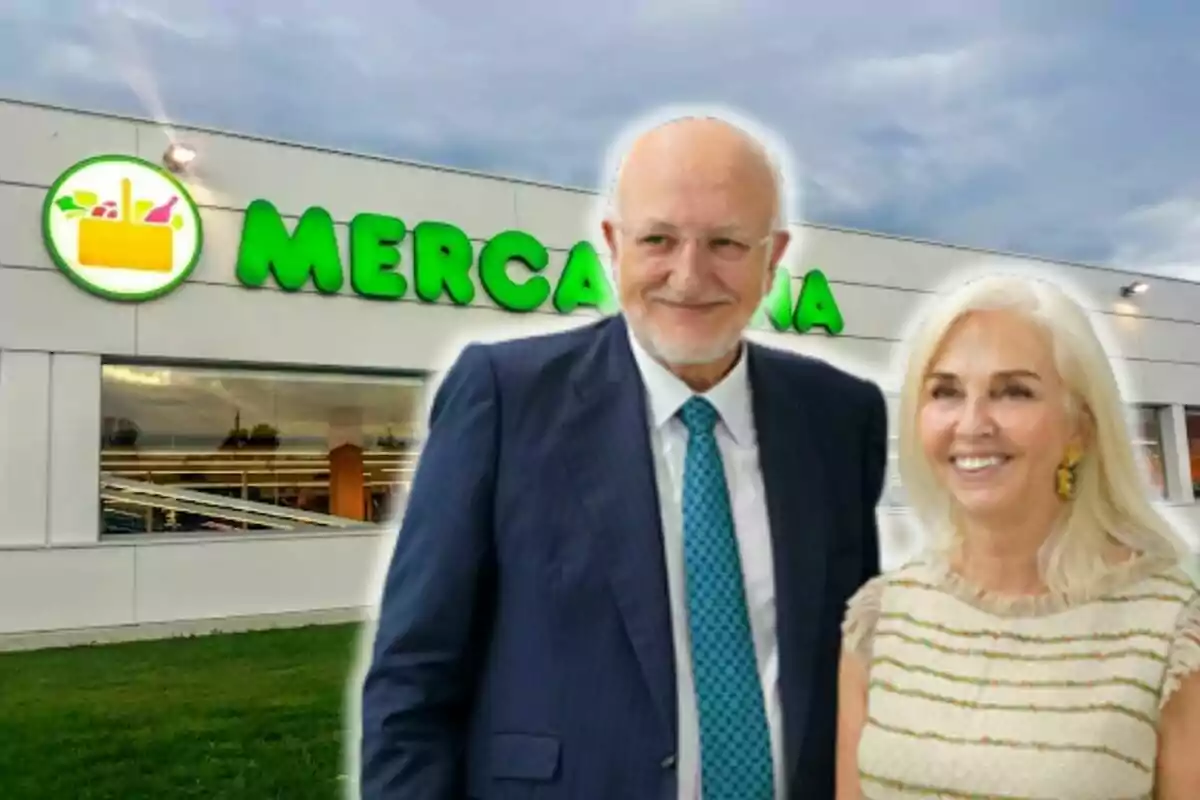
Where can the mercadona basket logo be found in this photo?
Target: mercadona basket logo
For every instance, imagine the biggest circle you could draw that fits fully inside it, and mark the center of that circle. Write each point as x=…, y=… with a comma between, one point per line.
x=122, y=228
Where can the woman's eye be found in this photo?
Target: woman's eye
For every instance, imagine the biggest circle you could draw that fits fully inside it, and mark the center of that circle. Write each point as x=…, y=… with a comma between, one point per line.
x=1016, y=391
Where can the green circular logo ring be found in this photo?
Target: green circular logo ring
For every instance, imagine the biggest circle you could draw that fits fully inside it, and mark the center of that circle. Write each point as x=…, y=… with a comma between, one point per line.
x=133, y=248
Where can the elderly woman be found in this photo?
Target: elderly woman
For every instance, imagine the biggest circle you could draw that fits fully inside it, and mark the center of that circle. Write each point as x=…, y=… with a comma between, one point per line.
x=1049, y=645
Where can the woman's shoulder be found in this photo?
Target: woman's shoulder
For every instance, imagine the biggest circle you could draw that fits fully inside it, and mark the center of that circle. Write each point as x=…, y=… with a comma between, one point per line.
x=1161, y=589
x=921, y=572
x=1171, y=579
x=865, y=605
x=1176, y=586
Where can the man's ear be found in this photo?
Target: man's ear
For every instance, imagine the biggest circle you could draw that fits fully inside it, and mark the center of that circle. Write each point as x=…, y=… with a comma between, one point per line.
x=779, y=246
x=610, y=237
x=769, y=278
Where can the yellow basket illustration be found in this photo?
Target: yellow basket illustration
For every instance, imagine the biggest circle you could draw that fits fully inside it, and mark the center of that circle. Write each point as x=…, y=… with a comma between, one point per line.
x=125, y=244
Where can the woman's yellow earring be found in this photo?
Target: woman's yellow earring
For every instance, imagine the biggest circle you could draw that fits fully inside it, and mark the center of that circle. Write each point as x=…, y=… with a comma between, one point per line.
x=1067, y=472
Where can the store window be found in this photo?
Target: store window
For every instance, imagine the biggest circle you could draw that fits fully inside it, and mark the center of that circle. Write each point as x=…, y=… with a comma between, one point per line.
x=1192, y=417
x=188, y=449
x=1148, y=437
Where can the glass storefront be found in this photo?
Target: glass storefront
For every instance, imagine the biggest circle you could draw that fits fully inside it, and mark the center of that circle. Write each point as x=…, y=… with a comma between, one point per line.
x=1148, y=433
x=187, y=448
x=1192, y=419
x=197, y=449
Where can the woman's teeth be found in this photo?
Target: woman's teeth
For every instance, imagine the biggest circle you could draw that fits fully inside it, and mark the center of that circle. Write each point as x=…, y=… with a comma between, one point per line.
x=977, y=463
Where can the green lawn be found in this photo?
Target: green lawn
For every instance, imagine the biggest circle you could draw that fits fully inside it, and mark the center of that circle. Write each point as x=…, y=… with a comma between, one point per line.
x=254, y=716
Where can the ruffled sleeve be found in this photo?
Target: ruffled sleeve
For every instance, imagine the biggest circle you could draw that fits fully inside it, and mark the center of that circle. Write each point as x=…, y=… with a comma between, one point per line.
x=862, y=615
x=1184, y=657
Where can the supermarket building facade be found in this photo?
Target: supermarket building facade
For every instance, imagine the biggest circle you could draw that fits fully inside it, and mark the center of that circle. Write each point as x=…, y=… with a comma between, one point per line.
x=213, y=379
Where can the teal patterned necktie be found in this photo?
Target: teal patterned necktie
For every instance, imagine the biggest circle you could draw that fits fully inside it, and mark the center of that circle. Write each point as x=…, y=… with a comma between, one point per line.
x=735, y=745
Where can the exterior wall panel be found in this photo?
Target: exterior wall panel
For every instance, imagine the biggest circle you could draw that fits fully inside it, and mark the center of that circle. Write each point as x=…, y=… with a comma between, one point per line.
x=55, y=573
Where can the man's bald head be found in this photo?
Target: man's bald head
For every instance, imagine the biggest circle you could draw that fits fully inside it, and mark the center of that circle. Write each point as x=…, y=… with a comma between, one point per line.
x=701, y=150
x=696, y=227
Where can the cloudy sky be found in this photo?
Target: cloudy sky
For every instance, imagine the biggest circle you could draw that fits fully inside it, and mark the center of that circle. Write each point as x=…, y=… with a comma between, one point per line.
x=1063, y=128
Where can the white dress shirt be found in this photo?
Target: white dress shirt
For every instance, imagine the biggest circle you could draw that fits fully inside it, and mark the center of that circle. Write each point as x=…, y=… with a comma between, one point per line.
x=738, y=443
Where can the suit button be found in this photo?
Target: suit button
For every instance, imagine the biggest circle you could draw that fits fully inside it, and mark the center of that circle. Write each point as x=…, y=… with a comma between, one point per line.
x=668, y=762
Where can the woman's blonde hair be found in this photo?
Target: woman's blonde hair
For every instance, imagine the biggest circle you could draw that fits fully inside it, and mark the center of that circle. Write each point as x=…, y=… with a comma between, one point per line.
x=1112, y=500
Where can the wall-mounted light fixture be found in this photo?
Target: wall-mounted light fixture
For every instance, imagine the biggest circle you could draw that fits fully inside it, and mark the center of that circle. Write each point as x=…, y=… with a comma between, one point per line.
x=178, y=156
x=1135, y=288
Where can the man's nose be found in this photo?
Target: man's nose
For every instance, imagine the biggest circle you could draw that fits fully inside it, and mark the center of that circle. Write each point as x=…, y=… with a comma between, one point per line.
x=687, y=268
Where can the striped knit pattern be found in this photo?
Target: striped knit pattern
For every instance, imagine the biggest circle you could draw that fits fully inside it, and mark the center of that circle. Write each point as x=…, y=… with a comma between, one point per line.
x=971, y=696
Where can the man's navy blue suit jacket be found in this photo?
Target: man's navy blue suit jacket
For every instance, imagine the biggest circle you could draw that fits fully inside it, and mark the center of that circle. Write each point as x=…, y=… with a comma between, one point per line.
x=524, y=642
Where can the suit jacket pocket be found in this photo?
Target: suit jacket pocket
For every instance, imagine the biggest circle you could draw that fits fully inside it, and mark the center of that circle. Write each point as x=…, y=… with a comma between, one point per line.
x=524, y=756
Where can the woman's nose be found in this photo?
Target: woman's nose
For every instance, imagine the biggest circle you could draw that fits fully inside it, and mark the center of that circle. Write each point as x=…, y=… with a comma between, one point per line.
x=976, y=418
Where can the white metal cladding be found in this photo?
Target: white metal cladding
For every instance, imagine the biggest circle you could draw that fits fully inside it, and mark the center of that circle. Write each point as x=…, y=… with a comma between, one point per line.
x=55, y=574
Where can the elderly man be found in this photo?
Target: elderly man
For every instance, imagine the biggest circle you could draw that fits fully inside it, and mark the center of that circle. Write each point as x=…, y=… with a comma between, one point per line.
x=627, y=547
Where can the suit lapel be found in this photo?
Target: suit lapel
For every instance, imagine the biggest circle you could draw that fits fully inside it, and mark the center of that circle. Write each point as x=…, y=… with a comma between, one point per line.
x=611, y=458
x=799, y=520
x=609, y=453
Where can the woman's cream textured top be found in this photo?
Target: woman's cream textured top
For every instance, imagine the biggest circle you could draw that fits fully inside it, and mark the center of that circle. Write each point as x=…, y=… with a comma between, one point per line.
x=979, y=696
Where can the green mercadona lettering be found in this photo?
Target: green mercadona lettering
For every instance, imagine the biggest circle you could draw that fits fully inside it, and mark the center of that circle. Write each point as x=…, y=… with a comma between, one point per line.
x=445, y=265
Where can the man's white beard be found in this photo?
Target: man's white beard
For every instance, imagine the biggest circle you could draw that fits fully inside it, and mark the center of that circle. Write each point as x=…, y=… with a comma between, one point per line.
x=686, y=353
